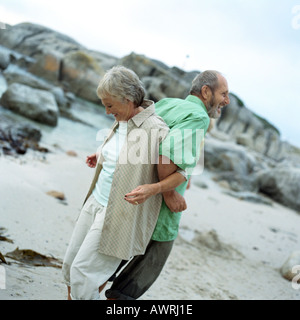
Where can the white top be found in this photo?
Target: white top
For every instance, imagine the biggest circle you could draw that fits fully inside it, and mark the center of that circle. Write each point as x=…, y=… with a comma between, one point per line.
x=110, y=152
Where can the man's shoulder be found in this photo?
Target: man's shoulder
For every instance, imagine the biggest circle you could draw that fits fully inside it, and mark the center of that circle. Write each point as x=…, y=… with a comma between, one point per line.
x=169, y=101
x=179, y=105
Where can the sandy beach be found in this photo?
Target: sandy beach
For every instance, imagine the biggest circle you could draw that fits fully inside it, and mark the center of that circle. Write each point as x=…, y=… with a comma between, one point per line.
x=226, y=249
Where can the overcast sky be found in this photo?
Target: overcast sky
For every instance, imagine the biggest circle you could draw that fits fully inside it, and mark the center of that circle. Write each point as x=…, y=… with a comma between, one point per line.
x=254, y=43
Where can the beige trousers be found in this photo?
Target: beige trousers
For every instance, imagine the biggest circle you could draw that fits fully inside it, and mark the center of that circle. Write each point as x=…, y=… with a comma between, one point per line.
x=84, y=268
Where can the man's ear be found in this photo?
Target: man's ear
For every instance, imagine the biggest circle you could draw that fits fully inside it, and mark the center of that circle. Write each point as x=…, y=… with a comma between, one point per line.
x=206, y=92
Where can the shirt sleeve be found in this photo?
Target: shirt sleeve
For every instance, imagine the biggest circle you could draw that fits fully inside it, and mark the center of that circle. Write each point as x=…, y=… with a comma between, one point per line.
x=183, y=143
x=183, y=173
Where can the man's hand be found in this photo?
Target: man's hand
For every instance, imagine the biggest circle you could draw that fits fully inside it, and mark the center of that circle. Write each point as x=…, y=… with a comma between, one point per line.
x=91, y=160
x=174, y=201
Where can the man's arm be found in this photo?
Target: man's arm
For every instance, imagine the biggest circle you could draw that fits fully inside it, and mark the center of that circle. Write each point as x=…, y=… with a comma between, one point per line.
x=174, y=201
x=169, y=180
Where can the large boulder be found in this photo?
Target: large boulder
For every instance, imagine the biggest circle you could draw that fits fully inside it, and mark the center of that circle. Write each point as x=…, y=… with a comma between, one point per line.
x=227, y=157
x=282, y=184
x=47, y=65
x=35, y=104
x=33, y=39
x=16, y=74
x=232, y=163
x=81, y=73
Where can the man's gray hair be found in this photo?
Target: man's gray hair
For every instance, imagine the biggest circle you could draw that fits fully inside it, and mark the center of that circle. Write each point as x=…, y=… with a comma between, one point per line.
x=206, y=78
x=121, y=83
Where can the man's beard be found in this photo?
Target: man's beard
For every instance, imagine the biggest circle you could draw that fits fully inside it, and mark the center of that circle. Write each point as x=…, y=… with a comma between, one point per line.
x=212, y=109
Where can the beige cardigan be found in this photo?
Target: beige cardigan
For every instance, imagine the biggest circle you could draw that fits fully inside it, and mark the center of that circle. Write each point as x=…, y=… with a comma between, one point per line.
x=128, y=228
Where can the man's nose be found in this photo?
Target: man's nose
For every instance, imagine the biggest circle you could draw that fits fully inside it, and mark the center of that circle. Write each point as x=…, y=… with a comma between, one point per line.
x=227, y=100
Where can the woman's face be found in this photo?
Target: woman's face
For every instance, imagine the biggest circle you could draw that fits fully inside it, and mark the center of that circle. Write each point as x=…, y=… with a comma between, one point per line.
x=122, y=111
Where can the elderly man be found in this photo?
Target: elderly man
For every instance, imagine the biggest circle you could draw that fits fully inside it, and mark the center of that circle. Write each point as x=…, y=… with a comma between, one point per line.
x=208, y=94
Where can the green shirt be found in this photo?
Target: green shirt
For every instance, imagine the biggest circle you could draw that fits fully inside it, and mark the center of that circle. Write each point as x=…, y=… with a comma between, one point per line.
x=188, y=122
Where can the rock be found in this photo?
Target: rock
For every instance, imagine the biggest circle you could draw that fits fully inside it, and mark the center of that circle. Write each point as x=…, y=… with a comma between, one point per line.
x=17, y=138
x=250, y=197
x=249, y=129
x=3, y=84
x=35, y=104
x=231, y=163
x=82, y=73
x=33, y=40
x=15, y=74
x=282, y=185
x=143, y=66
x=57, y=58
x=236, y=181
x=60, y=98
x=197, y=181
x=155, y=88
x=227, y=156
x=4, y=58
x=71, y=153
x=56, y=194
x=287, y=268
x=48, y=65
x=160, y=81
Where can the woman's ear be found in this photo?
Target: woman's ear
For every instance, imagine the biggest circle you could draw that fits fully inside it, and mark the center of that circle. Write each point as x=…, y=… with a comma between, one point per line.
x=130, y=103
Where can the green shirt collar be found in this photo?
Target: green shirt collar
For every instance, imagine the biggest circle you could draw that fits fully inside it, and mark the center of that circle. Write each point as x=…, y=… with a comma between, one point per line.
x=196, y=100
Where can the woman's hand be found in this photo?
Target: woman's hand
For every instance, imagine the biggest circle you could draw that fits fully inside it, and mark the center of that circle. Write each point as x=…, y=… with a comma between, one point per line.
x=91, y=160
x=141, y=193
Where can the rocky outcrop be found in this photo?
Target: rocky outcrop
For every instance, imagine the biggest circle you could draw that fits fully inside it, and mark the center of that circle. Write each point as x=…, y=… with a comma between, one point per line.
x=43, y=73
x=33, y=40
x=250, y=130
x=56, y=58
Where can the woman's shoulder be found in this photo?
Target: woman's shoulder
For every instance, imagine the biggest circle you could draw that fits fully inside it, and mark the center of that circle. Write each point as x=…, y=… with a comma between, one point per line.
x=155, y=121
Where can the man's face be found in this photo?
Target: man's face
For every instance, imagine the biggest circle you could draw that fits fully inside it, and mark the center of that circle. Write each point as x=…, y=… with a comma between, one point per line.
x=219, y=99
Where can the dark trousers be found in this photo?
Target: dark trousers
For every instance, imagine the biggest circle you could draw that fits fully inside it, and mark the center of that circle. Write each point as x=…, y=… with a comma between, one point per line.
x=140, y=273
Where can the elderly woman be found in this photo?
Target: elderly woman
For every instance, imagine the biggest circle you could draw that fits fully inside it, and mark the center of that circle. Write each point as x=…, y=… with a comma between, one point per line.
x=110, y=228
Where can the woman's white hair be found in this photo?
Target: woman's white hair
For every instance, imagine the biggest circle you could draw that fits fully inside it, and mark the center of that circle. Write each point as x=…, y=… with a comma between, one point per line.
x=121, y=83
